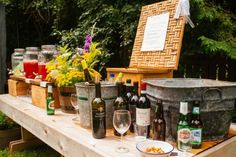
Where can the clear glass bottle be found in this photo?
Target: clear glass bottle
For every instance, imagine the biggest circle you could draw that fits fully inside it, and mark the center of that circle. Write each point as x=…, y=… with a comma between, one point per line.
x=17, y=60
x=30, y=62
x=47, y=53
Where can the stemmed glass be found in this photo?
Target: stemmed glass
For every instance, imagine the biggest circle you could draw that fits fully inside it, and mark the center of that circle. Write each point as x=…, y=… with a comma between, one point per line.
x=121, y=122
x=74, y=103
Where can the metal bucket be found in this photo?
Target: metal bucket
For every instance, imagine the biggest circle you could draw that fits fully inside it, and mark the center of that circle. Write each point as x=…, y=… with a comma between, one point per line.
x=86, y=93
x=217, y=101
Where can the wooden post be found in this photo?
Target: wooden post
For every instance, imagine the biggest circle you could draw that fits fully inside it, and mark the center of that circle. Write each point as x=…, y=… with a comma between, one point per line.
x=2, y=49
x=27, y=140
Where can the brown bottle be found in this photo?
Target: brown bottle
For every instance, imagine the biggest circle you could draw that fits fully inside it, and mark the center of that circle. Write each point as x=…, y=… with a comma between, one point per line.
x=159, y=124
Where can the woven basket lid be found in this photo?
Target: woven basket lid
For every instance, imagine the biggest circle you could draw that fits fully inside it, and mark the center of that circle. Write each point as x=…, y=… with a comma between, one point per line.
x=168, y=58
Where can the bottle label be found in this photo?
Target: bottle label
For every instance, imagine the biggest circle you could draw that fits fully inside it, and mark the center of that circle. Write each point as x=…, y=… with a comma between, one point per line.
x=99, y=113
x=196, y=110
x=143, y=116
x=51, y=105
x=184, y=135
x=196, y=134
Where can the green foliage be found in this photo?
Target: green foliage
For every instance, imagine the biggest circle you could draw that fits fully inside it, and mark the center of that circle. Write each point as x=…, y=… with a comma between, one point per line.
x=43, y=151
x=6, y=122
x=68, y=21
x=214, y=32
x=66, y=69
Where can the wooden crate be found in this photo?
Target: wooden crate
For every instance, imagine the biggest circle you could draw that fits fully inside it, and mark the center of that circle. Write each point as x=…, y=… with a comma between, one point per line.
x=39, y=94
x=155, y=63
x=18, y=87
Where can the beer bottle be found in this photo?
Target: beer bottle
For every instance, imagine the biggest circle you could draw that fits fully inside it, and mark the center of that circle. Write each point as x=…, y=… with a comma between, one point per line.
x=183, y=130
x=196, y=126
x=159, y=123
x=50, y=101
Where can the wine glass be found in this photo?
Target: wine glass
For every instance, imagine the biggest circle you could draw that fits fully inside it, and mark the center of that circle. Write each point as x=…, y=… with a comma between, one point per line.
x=74, y=103
x=121, y=122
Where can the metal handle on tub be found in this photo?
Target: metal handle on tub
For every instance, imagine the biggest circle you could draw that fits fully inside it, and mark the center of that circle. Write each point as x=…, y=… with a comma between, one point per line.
x=211, y=90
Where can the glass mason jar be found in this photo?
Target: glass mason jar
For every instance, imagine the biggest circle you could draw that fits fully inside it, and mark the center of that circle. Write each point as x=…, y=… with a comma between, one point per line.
x=17, y=60
x=47, y=53
x=30, y=62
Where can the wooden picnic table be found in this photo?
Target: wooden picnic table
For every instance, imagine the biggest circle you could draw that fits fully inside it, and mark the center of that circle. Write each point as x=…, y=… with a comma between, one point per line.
x=63, y=134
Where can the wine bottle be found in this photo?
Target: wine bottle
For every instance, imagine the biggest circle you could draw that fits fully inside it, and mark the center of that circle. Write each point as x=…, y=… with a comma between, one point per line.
x=87, y=75
x=133, y=102
x=50, y=101
x=196, y=126
x=98, y=113
x=128, y=90
x=183, y=129
x=143, y=110
x=159, y=123
x=119, y=103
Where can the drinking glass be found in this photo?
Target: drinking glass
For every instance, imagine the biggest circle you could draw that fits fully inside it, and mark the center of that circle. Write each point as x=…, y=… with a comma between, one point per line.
x=140, y=132
x=121, y=122
x=74, y=103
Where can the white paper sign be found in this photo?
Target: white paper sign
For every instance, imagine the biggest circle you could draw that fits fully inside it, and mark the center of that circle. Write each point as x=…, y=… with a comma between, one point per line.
x=155, y=32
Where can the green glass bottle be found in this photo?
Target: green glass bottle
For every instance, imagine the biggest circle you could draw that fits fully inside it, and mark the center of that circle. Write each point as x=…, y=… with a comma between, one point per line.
x=196, y=126
x=119, y=103
x=87, y=75
x=50, y=101
x=98, y=113
x=183, y=129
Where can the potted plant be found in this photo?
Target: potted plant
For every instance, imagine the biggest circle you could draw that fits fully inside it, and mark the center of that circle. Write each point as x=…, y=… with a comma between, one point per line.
x=66, y=69
x=9, y=130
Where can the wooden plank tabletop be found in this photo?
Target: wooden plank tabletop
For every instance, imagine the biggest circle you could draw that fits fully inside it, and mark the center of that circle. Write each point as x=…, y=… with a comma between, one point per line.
x=62, y=134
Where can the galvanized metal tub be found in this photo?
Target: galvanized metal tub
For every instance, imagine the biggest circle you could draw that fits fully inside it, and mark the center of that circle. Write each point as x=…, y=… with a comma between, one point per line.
x=217, y=101
x=86, y=93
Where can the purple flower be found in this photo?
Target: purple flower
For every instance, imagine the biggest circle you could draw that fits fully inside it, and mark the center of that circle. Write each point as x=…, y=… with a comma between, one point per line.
x=88, y=41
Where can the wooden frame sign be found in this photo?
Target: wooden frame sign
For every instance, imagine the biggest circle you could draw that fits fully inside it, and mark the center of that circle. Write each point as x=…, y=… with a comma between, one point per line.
x=158, y=38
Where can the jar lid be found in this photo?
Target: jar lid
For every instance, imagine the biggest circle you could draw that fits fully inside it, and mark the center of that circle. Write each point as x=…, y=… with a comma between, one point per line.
x=48, y=47
x=20, y=50
x=32, y=49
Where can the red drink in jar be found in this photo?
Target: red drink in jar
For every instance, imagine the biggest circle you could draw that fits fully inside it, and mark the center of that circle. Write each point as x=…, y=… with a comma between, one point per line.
x=30, y=68
x=42, y=71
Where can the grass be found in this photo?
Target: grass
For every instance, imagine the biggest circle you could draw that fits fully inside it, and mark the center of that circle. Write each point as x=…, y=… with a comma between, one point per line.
x=42, y=151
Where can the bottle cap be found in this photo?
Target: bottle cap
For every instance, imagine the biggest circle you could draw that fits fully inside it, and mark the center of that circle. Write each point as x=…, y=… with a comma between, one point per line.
x=143, y=86
x=184, y=108
x=112, y=75
x=128, y=82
